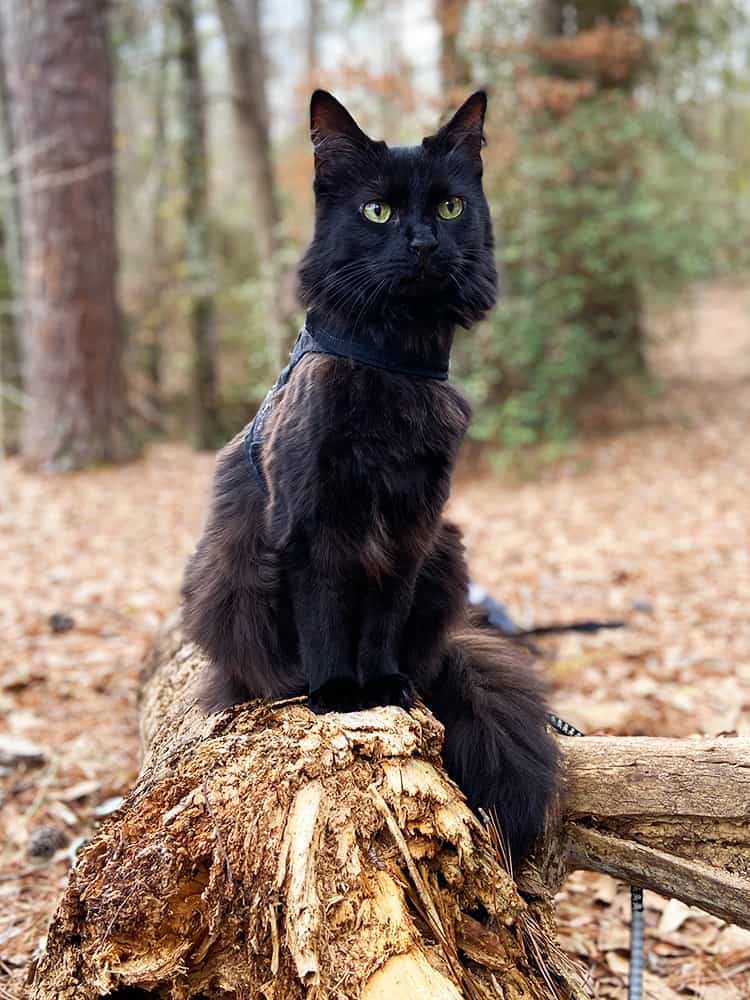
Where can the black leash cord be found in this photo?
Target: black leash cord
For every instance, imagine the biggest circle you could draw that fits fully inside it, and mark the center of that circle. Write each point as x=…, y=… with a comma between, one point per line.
x=637, y=957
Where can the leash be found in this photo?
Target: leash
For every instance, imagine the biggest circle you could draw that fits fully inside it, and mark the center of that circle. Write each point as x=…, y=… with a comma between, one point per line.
x=498, y=616
x=637, y=954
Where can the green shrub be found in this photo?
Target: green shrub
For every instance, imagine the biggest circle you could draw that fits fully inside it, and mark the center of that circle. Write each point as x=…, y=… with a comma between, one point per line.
x=594, y=211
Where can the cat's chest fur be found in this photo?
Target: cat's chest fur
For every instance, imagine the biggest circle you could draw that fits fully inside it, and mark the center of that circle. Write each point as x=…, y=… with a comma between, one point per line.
x=399, y=418
x=364, y=440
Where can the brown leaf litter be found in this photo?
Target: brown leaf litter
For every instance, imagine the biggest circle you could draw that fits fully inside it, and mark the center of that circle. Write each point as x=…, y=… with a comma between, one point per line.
x=650, y=524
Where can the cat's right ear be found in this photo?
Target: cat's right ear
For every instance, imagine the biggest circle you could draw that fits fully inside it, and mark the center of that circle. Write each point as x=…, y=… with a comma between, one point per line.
x=464, y=133
x=335, y=134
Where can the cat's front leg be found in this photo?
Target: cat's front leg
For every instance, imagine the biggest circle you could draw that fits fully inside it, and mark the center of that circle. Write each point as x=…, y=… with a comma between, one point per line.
x=323, y=611
x=386, y=607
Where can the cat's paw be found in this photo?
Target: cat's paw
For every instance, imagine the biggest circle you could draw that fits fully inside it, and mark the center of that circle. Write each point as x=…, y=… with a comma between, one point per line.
x=340, y=694
x=389, y=689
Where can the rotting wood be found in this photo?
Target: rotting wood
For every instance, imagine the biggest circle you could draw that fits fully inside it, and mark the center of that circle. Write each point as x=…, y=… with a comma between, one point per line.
x=271, y=853
x=669, y=815
x=694, y=882
x=267, y=852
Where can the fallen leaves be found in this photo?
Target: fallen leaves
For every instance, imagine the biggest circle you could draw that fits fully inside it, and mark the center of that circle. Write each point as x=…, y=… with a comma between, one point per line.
x=91, y=563
x=651, y=525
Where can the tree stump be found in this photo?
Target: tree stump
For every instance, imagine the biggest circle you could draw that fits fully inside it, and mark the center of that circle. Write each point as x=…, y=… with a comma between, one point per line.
x=267, y=852
x=270, y=853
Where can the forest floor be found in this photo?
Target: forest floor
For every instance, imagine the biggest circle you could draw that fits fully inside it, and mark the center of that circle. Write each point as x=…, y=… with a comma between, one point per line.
x=651, y=525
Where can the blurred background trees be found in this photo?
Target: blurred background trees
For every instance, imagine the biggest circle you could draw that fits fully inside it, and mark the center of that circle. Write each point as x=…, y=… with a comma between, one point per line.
x=618, y=168
x=205, y=415
x=610, y=197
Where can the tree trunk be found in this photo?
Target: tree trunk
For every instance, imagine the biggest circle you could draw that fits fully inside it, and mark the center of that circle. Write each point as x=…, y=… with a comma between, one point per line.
x=240, y=21
x=60, y=76
x=454, y=70
x=312, y=38
x=11, y=202
x=158, y=288
x=269, y=852
x=204, y=404
x=11, y=289
x=667, y=815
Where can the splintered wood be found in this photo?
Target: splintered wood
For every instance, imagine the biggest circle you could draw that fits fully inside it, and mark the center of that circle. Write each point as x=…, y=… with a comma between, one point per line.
x=268, y=852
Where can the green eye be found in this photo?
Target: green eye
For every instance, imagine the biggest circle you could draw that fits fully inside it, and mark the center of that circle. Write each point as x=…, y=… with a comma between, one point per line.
x=377, y=211
x=451, y=208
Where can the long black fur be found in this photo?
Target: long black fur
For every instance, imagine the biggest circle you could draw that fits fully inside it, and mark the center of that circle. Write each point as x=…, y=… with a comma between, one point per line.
x=343, y=581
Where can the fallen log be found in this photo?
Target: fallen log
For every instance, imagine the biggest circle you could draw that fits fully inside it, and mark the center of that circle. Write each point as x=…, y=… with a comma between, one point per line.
x=667, y=815
x=270, y=853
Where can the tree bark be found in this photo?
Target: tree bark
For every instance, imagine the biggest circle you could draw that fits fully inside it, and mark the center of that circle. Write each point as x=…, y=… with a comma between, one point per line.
x=667, y=815
x=11, y=204
x=240, y=21
x=60, y=76
x=204, y=403
x=10, y=328
x=268, y=852
x=241, y=25
x=312, y=38
x=159, y=282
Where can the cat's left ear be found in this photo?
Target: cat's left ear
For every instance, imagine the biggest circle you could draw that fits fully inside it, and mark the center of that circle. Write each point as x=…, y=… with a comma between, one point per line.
x=465, y=131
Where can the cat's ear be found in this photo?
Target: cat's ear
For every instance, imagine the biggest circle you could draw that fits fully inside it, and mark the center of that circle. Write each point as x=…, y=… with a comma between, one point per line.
x=335, y=134
x=465, y=131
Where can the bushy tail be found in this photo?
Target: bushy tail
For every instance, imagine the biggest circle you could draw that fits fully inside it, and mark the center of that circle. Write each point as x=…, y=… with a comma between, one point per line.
x=497, y=747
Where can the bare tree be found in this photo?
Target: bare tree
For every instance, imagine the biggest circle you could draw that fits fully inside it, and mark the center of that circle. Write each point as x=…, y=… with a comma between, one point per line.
x=454, y=71
x=312, y=37
x=11, y=203
x=154, y=345
x=241, y=24
x=205, y=419
x=60, y=80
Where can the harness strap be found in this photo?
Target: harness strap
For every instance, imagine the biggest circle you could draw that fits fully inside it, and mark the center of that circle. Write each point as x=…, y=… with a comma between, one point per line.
x=376, y=357
x=313, y=340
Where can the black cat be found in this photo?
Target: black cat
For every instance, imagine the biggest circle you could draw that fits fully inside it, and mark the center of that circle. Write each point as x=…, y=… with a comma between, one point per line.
x=325, y=566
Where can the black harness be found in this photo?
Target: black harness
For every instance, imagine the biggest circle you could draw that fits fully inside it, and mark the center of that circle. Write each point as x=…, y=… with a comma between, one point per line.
x=313, y=340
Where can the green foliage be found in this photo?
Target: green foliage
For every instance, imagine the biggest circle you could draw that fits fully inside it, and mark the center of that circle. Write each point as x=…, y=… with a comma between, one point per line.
x=594, y=211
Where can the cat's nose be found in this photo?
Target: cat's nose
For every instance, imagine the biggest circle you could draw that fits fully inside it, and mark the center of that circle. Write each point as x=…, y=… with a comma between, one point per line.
x=423, y=242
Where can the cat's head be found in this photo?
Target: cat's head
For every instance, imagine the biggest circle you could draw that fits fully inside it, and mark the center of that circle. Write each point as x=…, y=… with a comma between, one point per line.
x=401, y=233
